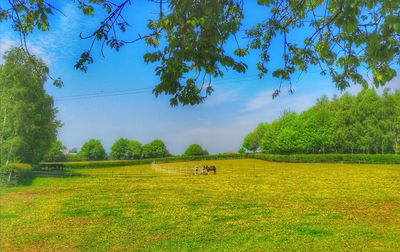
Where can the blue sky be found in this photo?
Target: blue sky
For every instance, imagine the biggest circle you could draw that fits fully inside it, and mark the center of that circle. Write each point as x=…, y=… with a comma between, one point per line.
x=239, y=103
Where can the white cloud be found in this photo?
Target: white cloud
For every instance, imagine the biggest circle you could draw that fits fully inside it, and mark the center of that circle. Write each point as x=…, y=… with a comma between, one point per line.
x=60, y=42
x=7, y=41
x=262, y=108
x=222, y=96
x=5, y=44
x=296, y=102
x=395, y=83
x=263, y=99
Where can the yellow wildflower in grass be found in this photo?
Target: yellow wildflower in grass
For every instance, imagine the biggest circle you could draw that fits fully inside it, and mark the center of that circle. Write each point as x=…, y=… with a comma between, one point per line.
x=247, y=205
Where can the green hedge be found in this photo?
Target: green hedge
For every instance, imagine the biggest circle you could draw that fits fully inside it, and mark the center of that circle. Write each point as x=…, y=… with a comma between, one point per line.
x=116, y=163
x=20, y=173
x=330, y=158
x=74, y=157
x=298, y=158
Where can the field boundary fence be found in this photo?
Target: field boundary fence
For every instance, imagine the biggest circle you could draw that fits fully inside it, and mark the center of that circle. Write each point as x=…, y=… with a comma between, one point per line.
x=248, y=170
x=171, y=170
x=155, y=169
x=110, y=174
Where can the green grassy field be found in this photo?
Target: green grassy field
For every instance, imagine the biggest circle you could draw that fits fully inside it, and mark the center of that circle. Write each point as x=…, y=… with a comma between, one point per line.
x=249, y=205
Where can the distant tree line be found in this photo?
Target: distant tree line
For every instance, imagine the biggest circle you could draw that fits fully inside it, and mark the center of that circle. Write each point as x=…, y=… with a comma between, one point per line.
x=122, y=149
x=364, y=123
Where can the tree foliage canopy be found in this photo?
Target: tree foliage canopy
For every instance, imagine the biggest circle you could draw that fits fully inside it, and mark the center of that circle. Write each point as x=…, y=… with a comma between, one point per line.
x=56, y=153
x=344, y=38
x=195, y=150
x=365, y=123
x=126, y=149
x=28, y=118
x=155, y=149
x=93, y=150
x=252, y=141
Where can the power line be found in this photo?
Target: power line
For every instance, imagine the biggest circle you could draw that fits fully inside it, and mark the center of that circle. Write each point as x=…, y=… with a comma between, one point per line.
x=101, y=93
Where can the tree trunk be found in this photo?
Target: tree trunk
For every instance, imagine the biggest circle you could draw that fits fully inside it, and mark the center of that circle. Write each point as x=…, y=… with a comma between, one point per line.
x=4, y=123
x=10, y=176
x=2, y=132
x=9, y=155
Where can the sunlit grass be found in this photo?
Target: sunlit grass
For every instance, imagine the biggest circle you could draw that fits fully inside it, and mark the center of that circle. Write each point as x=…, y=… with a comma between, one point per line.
x=248, y=205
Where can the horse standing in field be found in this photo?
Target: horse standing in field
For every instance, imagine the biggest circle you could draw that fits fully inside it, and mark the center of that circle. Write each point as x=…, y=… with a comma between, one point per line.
x=196, y=170
x=204, y=171
x=207, y=168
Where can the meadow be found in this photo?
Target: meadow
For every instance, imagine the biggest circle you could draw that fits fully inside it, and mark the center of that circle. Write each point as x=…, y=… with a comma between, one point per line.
x=248, y=205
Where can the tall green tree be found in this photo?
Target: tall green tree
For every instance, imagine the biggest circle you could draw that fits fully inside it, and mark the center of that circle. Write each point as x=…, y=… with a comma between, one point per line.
x=126, y=149
x=391, y=112
x=253, y=140
x=289, y=137
x=365, y=123
x=345, y=135
x=370, y=134
x=319, y=126
x=28, y=124
x=195, y=150
x=189, y=39
x=155, y=149
x=93, y=150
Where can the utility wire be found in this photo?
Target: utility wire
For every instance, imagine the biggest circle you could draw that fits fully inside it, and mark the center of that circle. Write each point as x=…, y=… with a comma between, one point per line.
x=101, y=93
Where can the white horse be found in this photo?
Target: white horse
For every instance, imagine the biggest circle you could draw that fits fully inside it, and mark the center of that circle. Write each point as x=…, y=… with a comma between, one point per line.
x=196, y=170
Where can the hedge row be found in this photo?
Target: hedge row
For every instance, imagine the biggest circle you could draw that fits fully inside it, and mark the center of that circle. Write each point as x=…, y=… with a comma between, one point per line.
x=19, y=172
x=116, y=163
x=74, y=157
x=298, y=158
x=330, y=158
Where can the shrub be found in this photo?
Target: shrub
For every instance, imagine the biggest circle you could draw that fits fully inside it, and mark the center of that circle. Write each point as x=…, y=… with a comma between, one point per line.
x=242, y=150
x=74, y=157
x=15, y=173
x=18, y=166
x=56, y=153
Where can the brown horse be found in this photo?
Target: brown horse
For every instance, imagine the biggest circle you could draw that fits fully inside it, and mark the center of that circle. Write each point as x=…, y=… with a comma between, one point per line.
x=207, y=168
